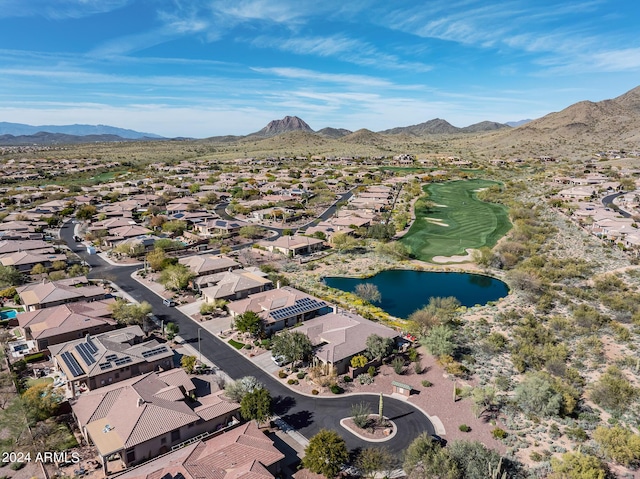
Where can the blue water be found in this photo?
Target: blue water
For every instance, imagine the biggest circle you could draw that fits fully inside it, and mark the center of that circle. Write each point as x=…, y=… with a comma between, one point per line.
x=9, y=314
x=405, y=291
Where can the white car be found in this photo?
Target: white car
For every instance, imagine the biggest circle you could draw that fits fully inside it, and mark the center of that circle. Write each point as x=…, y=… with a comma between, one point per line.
x=279, y=360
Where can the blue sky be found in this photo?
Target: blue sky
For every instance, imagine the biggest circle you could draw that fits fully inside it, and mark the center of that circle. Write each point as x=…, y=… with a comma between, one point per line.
x=204, y=68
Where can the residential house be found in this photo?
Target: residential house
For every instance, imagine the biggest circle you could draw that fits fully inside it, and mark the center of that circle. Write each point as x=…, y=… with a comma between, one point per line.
x=96, y=361
x=146, y=416
x=54, y=293
x=243, y=452
x=202, y=265
x=117, y=235
x=35, y=246
x=60, y=324
x=231, y=285
x=219, y=227
x=293, y=246
x=24, y=261
x=279, y=308
x=340, y=336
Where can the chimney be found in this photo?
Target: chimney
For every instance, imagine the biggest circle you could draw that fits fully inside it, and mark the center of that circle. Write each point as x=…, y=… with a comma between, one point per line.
x=278, y=284
x=140, y=402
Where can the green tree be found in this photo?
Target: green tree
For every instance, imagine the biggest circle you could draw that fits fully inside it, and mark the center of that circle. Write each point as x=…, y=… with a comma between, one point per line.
x=9, y=276
x=130, y=313
x=326, y=453
x=176, y=277
x=256, y=405
x=251, y=232
x=475, y=460
x=439, y=341
x=426, y=459
x=343, y=242
x=359, y=361
x=38, y=269
x=86, y=212
x=249, y=322
x=423, y=319
x=236, y=390
x=172, y=331
x=369, y=292
x=537, y=396
x=575, y=465
x=373, y=460
x=176, y=227
x=41, y=401
x=378, y=347
x=156, y=259
x=618, y=444
x=293, y=345
x=188, y=363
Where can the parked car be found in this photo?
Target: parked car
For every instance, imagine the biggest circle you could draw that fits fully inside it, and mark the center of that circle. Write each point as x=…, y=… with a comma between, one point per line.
x=169, y=302
x=279, y=360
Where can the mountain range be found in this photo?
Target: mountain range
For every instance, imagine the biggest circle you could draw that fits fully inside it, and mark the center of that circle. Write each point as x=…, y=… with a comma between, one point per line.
x=611, y=122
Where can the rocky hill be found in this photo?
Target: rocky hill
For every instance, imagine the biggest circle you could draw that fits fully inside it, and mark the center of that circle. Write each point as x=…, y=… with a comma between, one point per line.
x=333, y=132
x=287, y=124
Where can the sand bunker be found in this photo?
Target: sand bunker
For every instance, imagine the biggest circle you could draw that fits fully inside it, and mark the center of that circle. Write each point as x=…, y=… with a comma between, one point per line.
x=455, y=259
x=436, y=221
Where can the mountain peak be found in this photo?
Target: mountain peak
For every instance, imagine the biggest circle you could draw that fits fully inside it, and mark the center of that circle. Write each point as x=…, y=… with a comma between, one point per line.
x=288, y=123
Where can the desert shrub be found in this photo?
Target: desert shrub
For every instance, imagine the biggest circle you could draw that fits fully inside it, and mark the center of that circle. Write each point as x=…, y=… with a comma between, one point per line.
x=360, y=414
x=536, y=456
x=335, y=389
x=426, y=383
x=413, y=355
x=398, y=365
x=499, y=433
x=417, y=367
x=347, y=379
x=371, y=371
x=576, y=434
x=315, y=392
x=301, y=375
x=464, y=428
x=613, y=391
x=282, y=374
x=365, y=379
x=291, y=381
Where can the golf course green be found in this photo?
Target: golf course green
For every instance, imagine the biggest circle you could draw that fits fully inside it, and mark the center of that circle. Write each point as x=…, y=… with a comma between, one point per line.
x=453, y=219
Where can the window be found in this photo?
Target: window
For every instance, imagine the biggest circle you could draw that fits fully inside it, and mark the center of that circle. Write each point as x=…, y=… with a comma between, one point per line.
x=175, y=435
x=131, y=456
x=163, y=440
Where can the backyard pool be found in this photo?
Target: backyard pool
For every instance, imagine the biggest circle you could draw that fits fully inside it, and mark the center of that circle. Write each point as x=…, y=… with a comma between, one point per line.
x=405, y=291
x=8, y=314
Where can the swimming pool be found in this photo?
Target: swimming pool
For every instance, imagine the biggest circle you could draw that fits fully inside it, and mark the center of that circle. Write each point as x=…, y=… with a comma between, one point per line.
x=8, y=314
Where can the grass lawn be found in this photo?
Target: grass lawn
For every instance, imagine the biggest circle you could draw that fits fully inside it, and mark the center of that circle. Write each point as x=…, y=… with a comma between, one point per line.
x=236, y=344
x=459, y=221
x=32, y=382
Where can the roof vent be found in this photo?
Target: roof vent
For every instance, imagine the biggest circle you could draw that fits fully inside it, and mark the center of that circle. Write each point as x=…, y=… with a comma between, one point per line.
x=140, y=402
x=106, y=428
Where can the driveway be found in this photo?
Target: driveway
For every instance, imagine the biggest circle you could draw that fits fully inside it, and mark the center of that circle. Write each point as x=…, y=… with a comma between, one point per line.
x=306, y=414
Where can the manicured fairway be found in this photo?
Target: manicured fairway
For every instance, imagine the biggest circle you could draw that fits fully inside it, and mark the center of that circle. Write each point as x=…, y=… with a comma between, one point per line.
x=459, y=221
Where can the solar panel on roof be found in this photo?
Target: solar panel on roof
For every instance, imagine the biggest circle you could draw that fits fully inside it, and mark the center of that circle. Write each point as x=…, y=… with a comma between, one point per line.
x=85, y=354
x=155, y=351
x=121, y=361
x=92, y=346
x=111, y=357
x=72, y=364
x=104, y=366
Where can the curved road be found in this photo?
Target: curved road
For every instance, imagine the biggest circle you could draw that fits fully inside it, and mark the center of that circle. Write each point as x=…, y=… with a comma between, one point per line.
x=307, y=414
x=607, y=200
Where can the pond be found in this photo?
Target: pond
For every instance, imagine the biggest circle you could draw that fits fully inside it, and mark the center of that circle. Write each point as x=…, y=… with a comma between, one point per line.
x=404, y=291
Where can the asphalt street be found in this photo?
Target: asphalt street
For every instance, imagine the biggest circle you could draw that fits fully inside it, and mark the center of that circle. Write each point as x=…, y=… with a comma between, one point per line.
x=306, y=414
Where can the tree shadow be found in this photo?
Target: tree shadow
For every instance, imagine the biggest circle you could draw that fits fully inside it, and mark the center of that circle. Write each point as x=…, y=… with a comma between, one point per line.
x=299, y=420
x=282, y=404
